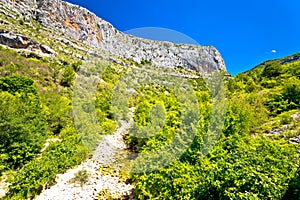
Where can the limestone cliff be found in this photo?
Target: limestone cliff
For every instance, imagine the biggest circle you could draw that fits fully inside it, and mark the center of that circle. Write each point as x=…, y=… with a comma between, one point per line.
x=80, y=24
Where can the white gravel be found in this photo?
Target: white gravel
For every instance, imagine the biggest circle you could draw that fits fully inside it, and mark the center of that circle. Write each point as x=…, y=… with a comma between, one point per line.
x=105, y=153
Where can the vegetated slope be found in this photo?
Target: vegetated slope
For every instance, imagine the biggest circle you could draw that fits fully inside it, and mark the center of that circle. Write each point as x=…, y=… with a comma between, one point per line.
x=255, y=158
x=35, y=106
x=38, y=136
x=94, y=176
x=257, y=155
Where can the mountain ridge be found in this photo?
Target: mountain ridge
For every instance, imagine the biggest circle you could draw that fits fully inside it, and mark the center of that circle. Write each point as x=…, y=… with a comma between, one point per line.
x=82, y=25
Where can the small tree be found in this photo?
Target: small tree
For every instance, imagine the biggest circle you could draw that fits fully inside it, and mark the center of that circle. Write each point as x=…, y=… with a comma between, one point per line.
x=292, y=92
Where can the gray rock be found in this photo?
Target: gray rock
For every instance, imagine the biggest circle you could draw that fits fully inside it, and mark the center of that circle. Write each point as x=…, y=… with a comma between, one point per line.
x=296, y=116
x=280, y=130
x=46, y=49
x=15, y=41
x=18, y=41
x=295, y=140
x=290, y=59
x=80, y=24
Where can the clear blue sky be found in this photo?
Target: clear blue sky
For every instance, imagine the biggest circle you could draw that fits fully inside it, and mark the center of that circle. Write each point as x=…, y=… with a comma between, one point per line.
x=246, y=32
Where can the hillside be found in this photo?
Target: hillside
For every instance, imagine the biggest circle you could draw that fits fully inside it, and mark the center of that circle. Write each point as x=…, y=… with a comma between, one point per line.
x=88, y=112
x=61, y=24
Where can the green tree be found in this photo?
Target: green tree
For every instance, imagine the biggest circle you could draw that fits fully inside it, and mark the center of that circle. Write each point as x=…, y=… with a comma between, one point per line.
x=18, y=84
x=291, y=92
x=68, y=76
x=22, y=123
x=272, y=69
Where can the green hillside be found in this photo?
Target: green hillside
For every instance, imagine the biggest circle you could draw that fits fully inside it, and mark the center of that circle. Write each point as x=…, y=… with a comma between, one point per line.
x=256, y=156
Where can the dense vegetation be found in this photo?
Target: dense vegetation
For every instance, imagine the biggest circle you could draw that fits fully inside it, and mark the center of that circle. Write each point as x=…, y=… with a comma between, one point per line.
x=37, y=132
x=39, y=138
x=248, y=162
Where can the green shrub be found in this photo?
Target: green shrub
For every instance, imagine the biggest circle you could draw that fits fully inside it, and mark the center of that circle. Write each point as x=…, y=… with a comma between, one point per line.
x=22, y=122
x=237, y=168
x=29, y=181
x=18, y=84
x=272, y=69
x=68, y=77
x=291, y=92
x=80, y=177
x=108, y=127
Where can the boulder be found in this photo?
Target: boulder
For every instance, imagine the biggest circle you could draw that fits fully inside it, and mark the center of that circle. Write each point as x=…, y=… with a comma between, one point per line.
x=22, y=42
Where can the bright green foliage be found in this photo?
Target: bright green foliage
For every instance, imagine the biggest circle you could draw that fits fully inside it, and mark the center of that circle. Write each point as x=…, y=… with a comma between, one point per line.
x=32, y=103
x=68, y=76
x=157, y=119
x=57, y=110
x=76, y=65
x=244, y=164
x=58, y=157
x=104, y=92
x=293, y=191
x=272, y=69
x=109, y=126
x=18, y=84
x=238, y=168
x=277, y=83
x=257, y=167
x=291, y=92
x=244, y=111
x=22, y=123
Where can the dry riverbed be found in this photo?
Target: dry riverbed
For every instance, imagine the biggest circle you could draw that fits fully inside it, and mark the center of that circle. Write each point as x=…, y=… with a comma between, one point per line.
x=101, y=179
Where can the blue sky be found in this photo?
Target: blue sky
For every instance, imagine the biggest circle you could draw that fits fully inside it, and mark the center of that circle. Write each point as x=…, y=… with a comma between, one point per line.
x=246, y=32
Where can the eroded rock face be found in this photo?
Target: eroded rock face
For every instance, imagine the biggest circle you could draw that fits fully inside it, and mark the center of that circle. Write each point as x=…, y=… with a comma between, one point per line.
x=15, y=41
x=290, y=59
x=80, y=24
x=18, y=41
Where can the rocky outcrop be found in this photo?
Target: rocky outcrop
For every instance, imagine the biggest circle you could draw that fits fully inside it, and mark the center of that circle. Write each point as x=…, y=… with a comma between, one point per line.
x=294, y=119
x=24, y=9
x=295, y=140
x=280, y=130
x=82, y=25
x=290, y=59
x=18, y=41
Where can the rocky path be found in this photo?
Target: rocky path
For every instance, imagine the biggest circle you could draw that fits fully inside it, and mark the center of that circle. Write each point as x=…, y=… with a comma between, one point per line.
x=97, y=181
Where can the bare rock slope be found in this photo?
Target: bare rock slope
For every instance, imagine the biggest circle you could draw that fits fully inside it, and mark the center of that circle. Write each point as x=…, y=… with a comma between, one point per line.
x=80, y=24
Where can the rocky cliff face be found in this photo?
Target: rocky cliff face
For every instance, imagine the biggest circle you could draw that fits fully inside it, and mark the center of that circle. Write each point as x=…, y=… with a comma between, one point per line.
x=82, y=25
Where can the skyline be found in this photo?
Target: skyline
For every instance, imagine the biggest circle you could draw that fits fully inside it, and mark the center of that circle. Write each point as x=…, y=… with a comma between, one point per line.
x=246, y=33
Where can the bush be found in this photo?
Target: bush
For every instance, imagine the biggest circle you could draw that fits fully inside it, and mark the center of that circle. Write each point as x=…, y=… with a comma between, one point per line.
x=291, y=92
x=22, y=123
x=57, y=158
x=68, y=77
x=80, y=177
x=293, y=191
x=108, y=127
x=18, y=84
x=237, y=168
